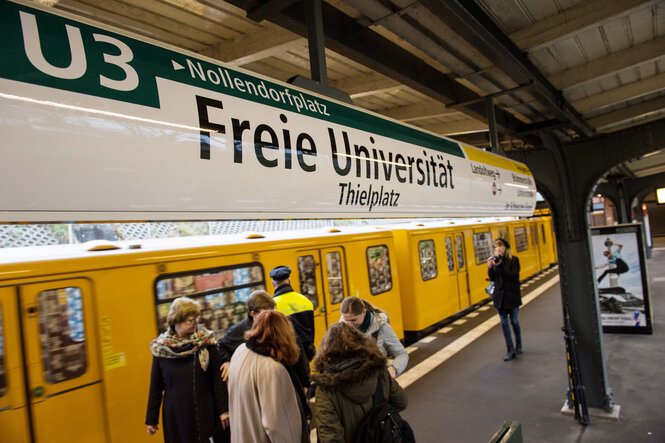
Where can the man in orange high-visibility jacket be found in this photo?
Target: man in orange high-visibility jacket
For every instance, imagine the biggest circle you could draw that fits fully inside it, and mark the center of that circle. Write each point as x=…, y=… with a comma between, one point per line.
x=297, y=307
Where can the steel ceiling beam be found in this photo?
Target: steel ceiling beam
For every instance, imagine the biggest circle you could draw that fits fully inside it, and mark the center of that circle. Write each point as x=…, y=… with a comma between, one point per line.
x=474, y=25
x=347, y=37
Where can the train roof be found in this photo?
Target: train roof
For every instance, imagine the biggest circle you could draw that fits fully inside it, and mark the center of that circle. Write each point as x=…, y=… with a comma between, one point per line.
x=109, y=248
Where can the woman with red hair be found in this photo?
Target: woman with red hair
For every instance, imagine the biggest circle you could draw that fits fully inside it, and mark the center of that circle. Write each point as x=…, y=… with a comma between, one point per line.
x=266, y=401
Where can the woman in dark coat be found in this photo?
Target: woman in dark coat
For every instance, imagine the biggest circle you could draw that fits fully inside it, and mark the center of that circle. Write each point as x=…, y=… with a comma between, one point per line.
x=185, y=367
x=349, y=365
x=504, y=270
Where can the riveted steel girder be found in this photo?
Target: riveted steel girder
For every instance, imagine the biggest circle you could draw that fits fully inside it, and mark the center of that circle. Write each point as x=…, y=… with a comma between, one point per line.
x=567, y=175
x=347, y=37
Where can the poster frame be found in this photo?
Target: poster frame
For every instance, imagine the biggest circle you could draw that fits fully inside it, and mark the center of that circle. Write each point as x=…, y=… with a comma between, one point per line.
x=627, y=231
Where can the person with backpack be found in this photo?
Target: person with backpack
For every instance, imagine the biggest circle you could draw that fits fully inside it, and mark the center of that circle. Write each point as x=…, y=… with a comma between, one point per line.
x=350, y=372
x=374, y=323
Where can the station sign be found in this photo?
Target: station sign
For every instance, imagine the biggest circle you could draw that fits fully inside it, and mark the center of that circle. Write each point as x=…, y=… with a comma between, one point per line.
x=98, y=124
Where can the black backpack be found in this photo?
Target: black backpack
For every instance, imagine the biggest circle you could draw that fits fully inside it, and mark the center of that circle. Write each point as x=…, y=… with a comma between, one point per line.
x=383, y=424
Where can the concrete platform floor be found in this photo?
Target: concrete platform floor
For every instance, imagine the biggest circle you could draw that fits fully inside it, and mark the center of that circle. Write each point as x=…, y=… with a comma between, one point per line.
x=468, y=391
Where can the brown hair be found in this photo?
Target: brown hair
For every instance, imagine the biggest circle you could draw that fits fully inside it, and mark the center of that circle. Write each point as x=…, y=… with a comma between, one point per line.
x=181, y=308
x=260, y=300
x=344, y=342
x=273, y=334
x=355, y=305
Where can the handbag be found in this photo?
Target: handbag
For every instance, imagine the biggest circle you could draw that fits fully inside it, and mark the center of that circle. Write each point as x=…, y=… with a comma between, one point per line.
x=490, y=288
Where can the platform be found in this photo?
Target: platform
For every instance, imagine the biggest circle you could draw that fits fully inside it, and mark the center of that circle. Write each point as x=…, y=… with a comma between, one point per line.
x=461, y=390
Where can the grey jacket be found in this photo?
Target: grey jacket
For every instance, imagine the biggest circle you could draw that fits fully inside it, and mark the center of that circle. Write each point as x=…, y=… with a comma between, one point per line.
x=388, y=341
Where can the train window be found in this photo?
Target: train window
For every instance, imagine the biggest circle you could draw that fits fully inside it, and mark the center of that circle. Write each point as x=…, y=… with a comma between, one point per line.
x=378, y=265
x=449, y=254
x=428, y=268
x=3, y=370
x=335, y=278
x=521, y=239
x=503, y=233
x=482, y=246
x=62, y=334
x=307, y=276
x=459, y=245
x=222, y=293
x=542, y=231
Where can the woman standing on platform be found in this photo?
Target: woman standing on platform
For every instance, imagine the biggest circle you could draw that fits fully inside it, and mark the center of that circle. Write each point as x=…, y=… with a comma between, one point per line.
x=267, y=403
x=185, y=368
x=504, y=270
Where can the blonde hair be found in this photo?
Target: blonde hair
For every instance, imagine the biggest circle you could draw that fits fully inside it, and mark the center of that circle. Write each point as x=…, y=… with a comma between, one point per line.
x=502, y=242
x=181, y=308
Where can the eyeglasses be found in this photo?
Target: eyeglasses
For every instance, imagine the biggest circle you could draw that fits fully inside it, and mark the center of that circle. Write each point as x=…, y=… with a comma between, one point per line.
x=190, y=320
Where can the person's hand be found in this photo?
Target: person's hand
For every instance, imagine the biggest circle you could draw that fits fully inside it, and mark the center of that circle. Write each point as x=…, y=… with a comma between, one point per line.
x=152, y=429
x=224, y=418
x=224, y=370
x=392, y=371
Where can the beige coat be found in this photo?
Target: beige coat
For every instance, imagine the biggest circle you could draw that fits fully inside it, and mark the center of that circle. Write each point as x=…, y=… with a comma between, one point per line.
x=263, y=406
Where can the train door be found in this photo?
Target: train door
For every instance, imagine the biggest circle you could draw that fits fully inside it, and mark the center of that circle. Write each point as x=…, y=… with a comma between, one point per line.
x=536, y=246
x=13, y=409
x=321, y=273
x=61, y=364
x=451, y=287
x=462, y=274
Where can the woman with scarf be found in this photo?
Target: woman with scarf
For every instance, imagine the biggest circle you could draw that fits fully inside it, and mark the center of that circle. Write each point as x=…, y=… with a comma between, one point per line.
x=266, y=401
x=373, y=322
x=185, y=368
x=348, y=368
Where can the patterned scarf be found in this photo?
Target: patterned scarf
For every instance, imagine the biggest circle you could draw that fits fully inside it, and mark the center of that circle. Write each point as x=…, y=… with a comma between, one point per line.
x=169, y=345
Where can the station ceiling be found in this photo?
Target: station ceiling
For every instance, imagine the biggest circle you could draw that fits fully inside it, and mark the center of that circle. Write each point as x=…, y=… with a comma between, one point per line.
x=577, y=68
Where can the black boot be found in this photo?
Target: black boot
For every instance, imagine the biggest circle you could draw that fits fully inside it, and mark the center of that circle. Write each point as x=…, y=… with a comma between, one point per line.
x=518, y=349
x=511, y=354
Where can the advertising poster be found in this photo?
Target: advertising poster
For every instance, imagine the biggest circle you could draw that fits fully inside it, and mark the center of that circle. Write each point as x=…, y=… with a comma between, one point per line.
x=621, y=276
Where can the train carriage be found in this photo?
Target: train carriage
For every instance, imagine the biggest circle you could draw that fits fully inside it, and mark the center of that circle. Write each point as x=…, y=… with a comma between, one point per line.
x=76, y=322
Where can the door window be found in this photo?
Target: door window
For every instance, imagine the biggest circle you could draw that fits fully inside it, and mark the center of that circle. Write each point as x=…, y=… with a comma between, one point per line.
x=449, y=254
x=307, y=277
x=378, y=266
x=428, y=267
x=3, y=370
x=521, y=239
x=459, y=245
x=62, y=334
x=335, y=278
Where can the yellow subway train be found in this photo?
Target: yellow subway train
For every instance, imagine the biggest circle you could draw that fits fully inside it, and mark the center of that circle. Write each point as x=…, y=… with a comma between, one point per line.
x=76, y=320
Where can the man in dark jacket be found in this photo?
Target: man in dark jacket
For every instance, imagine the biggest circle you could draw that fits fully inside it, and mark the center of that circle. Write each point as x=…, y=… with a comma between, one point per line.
x=297, y=307
x=257, y=302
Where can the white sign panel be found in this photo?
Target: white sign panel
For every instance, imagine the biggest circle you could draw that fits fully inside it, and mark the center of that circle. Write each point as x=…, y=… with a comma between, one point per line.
x=97, y=125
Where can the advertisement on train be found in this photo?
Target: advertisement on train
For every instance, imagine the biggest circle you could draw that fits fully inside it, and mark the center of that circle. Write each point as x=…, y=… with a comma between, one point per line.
x=101, y=125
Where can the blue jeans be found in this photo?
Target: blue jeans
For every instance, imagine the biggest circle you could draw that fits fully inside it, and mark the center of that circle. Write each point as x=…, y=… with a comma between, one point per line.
x=505, y=325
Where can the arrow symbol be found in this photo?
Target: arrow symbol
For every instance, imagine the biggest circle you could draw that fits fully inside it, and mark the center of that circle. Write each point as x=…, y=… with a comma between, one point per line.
x=177, y=66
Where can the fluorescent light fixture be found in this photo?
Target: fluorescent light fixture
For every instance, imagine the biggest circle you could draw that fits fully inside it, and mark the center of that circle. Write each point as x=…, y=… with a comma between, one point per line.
x=660, y=195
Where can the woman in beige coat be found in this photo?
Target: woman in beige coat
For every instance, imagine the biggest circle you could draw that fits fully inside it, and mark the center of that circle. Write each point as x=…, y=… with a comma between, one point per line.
x=266, y=402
